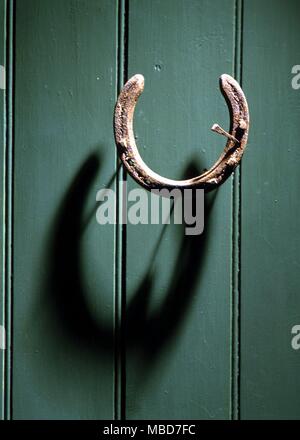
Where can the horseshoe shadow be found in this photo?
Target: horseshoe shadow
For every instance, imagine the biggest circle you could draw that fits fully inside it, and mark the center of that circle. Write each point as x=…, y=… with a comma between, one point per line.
x=67, y=293
x=149, y=335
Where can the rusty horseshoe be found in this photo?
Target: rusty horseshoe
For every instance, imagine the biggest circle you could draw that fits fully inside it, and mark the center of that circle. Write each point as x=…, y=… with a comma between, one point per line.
x=209, y=180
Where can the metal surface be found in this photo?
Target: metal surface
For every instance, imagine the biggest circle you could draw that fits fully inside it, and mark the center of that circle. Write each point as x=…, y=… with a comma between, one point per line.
x=217, y=174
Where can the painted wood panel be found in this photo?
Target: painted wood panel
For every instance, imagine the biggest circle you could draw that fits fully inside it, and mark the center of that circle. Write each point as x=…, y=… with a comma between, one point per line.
x=63, y=261
x=142, y=321
x=270, y=241
x=178, y=351
x=2, y=194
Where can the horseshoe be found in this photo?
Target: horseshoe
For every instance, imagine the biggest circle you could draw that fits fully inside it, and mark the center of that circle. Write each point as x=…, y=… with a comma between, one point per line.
x=209, y=180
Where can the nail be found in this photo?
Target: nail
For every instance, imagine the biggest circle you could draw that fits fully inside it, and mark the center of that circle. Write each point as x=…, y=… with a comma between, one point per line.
x=216, y=128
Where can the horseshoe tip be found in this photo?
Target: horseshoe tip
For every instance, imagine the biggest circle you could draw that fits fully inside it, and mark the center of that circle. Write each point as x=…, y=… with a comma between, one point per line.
x=139, y=79
x=225, y=78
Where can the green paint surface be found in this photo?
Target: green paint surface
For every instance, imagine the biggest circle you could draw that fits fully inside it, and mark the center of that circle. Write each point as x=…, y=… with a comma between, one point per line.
x=63, y=294
x=2, y=198
x=270, y=302
x=180, y=364
x=142, y=321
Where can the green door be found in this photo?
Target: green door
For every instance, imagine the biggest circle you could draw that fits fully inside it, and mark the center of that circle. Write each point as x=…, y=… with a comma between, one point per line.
x=142, y=321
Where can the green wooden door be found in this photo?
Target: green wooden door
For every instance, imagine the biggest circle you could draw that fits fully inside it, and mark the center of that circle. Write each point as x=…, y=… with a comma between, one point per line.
x=142, y=321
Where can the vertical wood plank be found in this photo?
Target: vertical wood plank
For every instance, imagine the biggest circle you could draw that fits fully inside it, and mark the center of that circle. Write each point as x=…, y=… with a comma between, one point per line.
x=178, y=321
x=270, y=304
x=63, y=357
x=120, y=229
x=236, y=232
x=7, y=84
x=2, y=197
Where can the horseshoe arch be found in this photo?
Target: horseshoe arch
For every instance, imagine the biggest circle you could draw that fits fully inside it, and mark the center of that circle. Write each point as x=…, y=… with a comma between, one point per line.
x=209, y=180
